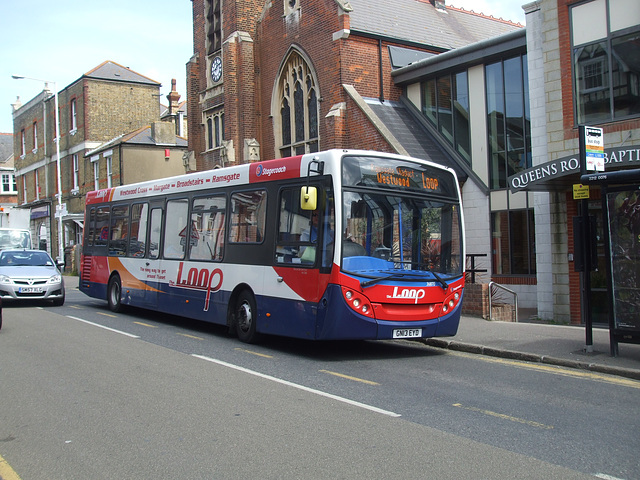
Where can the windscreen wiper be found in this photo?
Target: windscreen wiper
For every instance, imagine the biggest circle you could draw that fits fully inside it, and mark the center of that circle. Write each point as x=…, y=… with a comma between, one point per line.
x=373, y=281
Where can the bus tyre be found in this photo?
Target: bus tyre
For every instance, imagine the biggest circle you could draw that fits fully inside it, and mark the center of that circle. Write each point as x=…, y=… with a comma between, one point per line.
x=114, y=292
x=245, y=317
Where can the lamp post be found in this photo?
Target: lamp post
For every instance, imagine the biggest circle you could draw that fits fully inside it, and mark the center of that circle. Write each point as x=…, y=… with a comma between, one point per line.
x=57, y=141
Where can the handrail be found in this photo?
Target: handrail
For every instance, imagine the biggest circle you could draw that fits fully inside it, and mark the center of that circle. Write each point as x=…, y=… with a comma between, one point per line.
x=515, y=297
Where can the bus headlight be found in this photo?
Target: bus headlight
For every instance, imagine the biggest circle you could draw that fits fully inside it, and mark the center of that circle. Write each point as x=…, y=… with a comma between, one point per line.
x=358, y=302
x=451, y=302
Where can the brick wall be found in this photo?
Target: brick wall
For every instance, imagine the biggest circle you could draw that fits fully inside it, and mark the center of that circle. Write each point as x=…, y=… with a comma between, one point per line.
x=252, y=64
x=476, y=299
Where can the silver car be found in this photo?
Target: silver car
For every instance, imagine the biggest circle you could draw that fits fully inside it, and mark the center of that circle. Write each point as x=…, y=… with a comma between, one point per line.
x=30, y=275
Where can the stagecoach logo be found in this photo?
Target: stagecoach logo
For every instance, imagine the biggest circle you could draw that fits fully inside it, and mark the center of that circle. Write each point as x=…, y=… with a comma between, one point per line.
x=199, y=279
x=267, y=172
x=408, y=294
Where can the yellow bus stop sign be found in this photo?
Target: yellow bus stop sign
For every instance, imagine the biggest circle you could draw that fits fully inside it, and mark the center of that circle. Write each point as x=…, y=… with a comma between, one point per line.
x=580, y=192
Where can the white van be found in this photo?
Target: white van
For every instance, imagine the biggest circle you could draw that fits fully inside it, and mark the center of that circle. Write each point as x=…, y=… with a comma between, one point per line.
x=15, y=238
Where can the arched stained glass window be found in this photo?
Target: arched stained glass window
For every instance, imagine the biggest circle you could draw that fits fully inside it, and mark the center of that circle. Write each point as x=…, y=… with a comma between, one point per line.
x=297, y=127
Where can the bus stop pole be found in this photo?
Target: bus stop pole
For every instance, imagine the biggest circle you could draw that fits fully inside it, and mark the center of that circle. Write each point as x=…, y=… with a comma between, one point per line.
x=585, y=303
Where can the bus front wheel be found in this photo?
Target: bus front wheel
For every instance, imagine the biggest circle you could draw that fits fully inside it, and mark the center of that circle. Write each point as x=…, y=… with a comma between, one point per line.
x=246, y=315
x=114, y=292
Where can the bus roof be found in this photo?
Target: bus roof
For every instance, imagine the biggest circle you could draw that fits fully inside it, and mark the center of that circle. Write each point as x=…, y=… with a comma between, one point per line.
x=245, y=174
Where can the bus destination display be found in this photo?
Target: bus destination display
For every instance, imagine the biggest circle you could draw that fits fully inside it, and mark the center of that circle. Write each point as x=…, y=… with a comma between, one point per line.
x=363, y=171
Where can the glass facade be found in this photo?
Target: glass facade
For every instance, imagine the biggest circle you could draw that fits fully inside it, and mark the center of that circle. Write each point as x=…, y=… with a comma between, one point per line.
x=513, y=242
x=508, y=119
x=445, y=103
x=509, y=150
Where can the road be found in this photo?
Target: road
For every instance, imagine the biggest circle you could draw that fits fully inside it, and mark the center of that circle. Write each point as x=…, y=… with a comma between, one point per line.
x=88, y=394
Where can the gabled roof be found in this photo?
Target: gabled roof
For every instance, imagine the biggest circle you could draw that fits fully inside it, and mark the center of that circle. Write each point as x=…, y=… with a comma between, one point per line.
x=420, y=22
x=417, y=141
x=6, y=147
x=112, y=71
x=141, y=136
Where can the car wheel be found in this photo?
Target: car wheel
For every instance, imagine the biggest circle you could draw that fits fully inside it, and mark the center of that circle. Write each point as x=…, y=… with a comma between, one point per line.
x=58, y=302
x=246, y=314
x=114, y=293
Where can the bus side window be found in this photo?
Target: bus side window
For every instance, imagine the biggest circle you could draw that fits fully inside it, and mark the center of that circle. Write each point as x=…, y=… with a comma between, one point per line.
x=119, y=230
x=248, y=216
x=176, y=229
x=207, y=223
x=101, y=234
x=91, y=228
x=138, y=238
x=154, y=232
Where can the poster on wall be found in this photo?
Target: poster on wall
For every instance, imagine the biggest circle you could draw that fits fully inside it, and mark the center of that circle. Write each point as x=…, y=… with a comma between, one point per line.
x=624, y=234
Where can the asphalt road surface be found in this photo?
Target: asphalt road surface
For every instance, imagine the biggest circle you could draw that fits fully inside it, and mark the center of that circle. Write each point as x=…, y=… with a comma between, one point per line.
x=88, y=394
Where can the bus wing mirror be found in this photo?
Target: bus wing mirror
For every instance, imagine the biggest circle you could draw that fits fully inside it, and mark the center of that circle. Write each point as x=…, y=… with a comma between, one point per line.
x=308, y=198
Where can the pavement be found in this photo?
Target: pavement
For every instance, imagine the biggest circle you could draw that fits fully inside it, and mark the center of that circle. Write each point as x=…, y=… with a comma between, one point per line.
x=561, y=345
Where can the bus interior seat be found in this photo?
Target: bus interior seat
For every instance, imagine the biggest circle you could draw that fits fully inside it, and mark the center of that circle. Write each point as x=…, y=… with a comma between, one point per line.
x=352, y=249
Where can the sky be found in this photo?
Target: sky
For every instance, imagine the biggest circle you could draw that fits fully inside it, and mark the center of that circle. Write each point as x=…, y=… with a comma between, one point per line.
x=151, y=37
x=506, y=9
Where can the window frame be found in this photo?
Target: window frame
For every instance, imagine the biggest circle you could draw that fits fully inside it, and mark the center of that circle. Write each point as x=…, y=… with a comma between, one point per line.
x=608, y=61
x=234, y=227
x=73, y=116
x=296, y=110
x=35, y=137
x=76, y=173
x=511, y=241
x=498, y=158
x=220, y=233
x=214, y=131
x=437, y=120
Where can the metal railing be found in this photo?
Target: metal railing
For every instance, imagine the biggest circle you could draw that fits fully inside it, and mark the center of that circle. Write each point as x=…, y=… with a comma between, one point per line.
x=502, y=287
x=472, y=270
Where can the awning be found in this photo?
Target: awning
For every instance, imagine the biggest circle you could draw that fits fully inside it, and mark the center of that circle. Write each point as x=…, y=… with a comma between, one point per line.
x=561, y=173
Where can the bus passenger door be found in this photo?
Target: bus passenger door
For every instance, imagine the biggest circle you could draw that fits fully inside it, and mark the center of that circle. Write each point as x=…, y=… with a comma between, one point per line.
x=153, y=274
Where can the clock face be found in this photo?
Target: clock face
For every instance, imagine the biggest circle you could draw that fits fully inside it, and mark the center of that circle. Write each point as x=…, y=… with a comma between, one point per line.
x=216, y=69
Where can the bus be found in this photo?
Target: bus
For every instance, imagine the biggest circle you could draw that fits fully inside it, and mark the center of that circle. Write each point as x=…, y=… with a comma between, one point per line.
x=341, y=244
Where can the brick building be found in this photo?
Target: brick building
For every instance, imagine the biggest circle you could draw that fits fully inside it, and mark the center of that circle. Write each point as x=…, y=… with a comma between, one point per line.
x=9, y=215
x=104, y=103
x=290, y=76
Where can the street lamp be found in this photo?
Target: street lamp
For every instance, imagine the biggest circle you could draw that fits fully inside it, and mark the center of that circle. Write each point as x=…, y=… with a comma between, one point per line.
x=57, y=141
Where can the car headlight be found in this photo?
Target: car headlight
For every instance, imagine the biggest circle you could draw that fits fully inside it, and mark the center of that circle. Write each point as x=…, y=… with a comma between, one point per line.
x=55, y=279
x=5, y=279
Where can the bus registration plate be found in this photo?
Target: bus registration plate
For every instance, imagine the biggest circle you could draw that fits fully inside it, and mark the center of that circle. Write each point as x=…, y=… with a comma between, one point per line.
x=407, y=332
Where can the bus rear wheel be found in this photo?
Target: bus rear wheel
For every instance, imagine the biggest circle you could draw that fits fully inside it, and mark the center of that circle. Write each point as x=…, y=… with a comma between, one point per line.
x=245, y=314
x=114, y=293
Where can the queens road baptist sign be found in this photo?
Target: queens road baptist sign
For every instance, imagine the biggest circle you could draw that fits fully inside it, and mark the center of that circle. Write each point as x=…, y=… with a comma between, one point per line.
x=538, y=177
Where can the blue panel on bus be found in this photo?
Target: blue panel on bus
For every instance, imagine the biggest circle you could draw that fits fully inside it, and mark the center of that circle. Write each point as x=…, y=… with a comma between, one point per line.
x=448, y=325
x=337, y=321
x=290, y=318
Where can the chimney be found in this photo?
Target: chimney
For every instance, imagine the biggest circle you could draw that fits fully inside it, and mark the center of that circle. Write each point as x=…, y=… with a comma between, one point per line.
x=163, y=133
x=173, y=98
x=17, y=104
x=439, y=4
